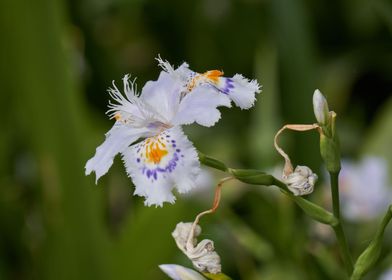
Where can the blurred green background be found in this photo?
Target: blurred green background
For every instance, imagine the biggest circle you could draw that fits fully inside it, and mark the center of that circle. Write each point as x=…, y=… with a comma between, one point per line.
x=57, y=58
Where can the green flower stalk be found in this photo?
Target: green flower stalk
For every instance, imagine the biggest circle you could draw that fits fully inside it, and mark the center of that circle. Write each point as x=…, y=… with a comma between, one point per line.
x=253, y=177
x=211, y=162
x=257, y=177
x=330, y=153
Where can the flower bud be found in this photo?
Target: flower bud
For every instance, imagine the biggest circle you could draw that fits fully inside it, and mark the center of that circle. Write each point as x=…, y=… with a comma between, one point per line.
x=301, y=181
x=320, y=107
x=202, y=254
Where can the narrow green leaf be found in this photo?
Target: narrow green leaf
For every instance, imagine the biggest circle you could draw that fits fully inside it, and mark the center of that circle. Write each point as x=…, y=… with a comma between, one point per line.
x=370, y=255
x=316, y=212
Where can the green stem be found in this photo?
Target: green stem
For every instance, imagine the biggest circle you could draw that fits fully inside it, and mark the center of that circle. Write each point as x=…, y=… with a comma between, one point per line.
x=313, y=210
x=256, y=177
x=335, y=194
x=338, y=228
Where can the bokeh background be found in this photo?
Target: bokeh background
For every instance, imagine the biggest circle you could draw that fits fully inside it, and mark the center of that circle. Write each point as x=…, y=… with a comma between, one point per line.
x=57, y=58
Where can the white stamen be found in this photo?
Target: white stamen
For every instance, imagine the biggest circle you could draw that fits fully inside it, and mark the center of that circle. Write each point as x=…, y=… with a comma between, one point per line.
x=165, y=65
x=133, y=111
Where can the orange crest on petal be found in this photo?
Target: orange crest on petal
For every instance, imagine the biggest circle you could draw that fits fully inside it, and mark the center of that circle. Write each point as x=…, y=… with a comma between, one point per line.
x=213, y=75
x=155, y=151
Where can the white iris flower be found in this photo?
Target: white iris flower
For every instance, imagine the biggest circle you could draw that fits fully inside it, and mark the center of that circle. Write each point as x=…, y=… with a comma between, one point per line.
x=166, y=158
x=365, y=191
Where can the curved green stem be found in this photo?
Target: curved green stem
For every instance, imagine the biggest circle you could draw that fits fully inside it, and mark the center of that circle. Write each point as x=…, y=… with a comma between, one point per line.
x=338, y=228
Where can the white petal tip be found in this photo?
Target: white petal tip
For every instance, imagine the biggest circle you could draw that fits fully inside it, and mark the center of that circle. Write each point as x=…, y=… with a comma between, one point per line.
x=178, y=272
x=243, y=94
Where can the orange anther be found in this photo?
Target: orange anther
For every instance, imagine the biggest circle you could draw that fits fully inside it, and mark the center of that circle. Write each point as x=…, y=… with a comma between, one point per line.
x=117, y=116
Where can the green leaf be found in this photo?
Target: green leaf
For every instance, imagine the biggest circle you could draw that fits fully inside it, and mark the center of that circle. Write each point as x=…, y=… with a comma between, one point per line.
x=316, y=212
x=371, y=254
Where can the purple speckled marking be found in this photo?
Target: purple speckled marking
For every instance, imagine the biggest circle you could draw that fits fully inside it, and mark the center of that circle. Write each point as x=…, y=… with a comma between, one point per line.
x=229, y=85
x=138, y=159
x=171, y=165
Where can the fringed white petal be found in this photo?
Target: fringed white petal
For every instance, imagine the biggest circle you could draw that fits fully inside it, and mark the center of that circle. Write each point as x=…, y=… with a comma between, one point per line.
x=181, y=73
x=160, y=163
x=129, y=109
x=117, y=140
x=200, y=106
x=241, y=90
